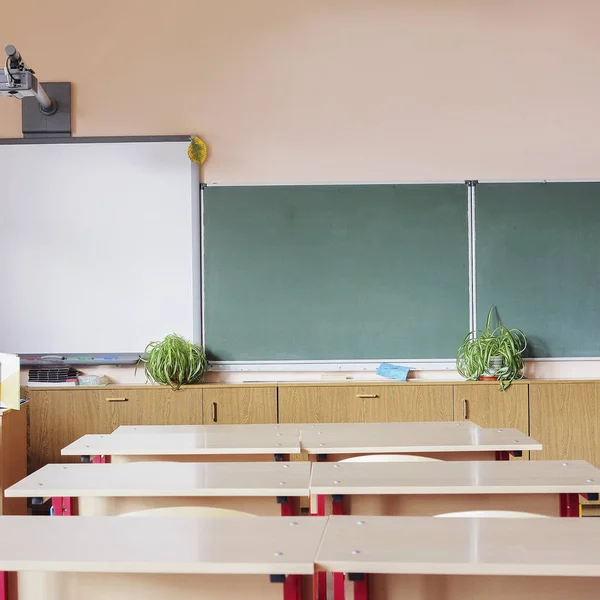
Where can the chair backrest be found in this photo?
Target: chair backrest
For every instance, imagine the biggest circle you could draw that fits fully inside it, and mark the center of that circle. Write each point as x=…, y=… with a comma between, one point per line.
x=494, y=514
x=187, y=511
x=389, y=458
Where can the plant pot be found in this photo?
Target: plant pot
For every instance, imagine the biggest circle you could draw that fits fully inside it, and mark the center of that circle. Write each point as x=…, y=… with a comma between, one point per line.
x=495, y=363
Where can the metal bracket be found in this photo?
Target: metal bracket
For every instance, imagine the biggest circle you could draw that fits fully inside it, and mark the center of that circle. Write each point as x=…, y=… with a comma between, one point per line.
x=321, y=457
x=277, y=578
x=37, y=124
x=471, y=182
x=86, y=458
x=517, y=453
x=282, y=499
x=337, y=498
x=356, y=576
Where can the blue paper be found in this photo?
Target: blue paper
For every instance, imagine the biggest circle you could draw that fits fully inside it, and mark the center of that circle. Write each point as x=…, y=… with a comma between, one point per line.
x=392, y=371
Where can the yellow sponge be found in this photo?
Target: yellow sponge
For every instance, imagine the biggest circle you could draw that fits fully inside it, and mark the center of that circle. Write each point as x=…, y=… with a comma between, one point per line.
x=197, y=150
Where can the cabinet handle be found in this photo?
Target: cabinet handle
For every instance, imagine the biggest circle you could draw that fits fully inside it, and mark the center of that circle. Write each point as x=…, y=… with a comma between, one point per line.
x=117, y=399
x=213, y=411
x=367, y=396
x=465, y=409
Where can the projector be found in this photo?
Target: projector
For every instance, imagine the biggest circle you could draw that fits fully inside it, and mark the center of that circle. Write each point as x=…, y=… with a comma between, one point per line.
x=19, y=81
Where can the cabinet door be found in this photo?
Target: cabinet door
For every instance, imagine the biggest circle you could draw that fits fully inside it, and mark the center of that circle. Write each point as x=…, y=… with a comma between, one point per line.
x=565, y=418
x=246, y=405
x=487, y=406
x=152, y=406
x=58, y=417
x=13, y=457
x=365, y=404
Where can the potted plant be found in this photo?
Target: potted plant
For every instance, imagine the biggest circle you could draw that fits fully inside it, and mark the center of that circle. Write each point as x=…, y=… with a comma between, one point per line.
x=492, y=353
x=174, y=362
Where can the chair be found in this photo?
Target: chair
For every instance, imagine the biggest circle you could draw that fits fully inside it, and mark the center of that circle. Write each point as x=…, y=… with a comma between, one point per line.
x=187, y=511
x=389, y=458
x=493, y=514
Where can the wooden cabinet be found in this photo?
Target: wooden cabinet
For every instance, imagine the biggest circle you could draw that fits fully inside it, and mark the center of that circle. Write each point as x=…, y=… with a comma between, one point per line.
x=60, y=416
x=487, y=406
x=231, y=405
x=365, y=403
x=565, y=418
x=13, y=457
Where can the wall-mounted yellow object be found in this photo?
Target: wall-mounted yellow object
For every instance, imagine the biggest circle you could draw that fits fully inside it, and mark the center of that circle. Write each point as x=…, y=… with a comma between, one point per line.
x=197, y=150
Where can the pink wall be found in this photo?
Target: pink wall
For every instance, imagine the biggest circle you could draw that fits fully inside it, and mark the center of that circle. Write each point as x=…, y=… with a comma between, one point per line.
x=332, y=90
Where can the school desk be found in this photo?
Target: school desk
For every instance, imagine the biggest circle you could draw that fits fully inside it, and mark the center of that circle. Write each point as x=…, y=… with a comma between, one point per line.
x=423, y=558
x=294, y=427
x=428, y=488
x=260, y=488
x=457, y=443
x=230, y=446
x=188, y=558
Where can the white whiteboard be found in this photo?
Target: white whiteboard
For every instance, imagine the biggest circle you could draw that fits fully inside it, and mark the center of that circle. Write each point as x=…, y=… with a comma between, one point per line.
x=99, y=246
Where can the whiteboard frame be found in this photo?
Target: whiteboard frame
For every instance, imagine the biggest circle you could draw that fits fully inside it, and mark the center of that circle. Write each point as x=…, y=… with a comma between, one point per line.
x=195, y=199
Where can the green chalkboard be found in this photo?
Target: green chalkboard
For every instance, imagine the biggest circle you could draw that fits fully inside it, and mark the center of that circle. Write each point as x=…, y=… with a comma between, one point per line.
x=538, y=260
x=335, y=272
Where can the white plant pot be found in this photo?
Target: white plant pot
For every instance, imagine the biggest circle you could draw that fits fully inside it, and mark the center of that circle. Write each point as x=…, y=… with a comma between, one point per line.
x=496, y=363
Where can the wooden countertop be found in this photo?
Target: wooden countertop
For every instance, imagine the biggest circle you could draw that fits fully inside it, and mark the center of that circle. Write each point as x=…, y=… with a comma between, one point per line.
x=436, y=478
x=184, y=444
x=426, y=545
x=252, y=545
x=420, y=439
x=357, y=383
x=161, y=479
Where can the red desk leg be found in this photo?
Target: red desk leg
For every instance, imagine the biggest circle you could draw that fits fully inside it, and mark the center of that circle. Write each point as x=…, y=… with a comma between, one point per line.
x=569, y=505
x=100, y=460
x=62, y=506
x=339, y=592
x=321, y=575
x=67, y=506
x=321, y=505
x=292, y=588
x=337, y=506
x=57, y=506
x=287, y=506
x=3, y=585
x=361, y=588
x=502, y=455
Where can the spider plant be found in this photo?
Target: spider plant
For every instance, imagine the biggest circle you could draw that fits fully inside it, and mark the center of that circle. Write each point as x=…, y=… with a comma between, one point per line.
x=494, y=352
x=174, y=362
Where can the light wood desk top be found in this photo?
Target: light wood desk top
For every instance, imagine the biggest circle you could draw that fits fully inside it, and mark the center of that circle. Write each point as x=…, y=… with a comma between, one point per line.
x=257, y=545
x=425, y=545
x=297, y=428
x=268, y=428
x=166, y=479
x=458, y=477
x=419, y=439
x=184, y=444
